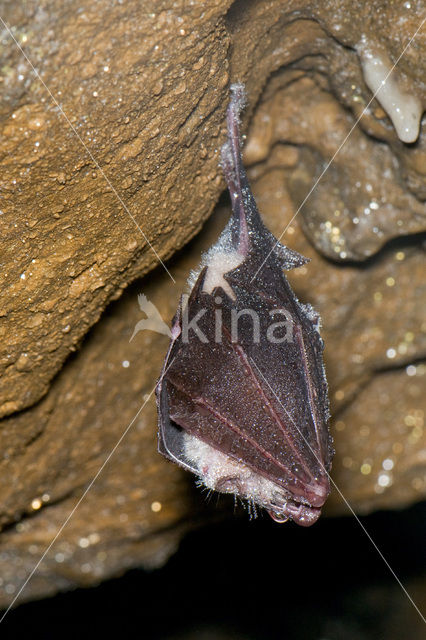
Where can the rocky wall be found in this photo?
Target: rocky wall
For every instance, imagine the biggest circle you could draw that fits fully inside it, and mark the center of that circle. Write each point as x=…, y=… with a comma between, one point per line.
x=111, y=120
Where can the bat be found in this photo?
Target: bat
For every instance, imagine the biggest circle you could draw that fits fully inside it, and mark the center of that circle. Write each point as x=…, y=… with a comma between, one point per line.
x=242, y=398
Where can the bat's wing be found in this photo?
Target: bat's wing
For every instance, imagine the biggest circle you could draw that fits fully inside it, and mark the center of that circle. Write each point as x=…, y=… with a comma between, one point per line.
x=254, y=401
x=170, y=435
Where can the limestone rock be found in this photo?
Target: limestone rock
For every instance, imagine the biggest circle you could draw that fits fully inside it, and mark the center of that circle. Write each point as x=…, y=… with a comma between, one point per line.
x=109, y=162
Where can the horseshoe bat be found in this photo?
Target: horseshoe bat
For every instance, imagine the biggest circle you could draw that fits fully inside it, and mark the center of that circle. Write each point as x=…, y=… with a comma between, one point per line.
x=242, y=397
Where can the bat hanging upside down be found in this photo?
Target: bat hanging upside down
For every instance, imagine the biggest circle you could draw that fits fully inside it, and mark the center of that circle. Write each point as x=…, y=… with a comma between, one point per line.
x=242, y=398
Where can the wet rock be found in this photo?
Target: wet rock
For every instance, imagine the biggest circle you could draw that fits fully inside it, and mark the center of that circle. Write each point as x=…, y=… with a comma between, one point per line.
x=88, y=450
x=99, y=170
x=146, y=93
x=352, y=194
x=132, y=114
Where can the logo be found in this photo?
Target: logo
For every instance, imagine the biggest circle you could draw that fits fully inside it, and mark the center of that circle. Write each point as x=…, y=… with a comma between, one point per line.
x=278, y=328
x=153, y=320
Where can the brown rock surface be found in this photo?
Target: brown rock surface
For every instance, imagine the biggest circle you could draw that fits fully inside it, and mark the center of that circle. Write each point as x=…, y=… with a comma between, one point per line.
x=145, y=91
